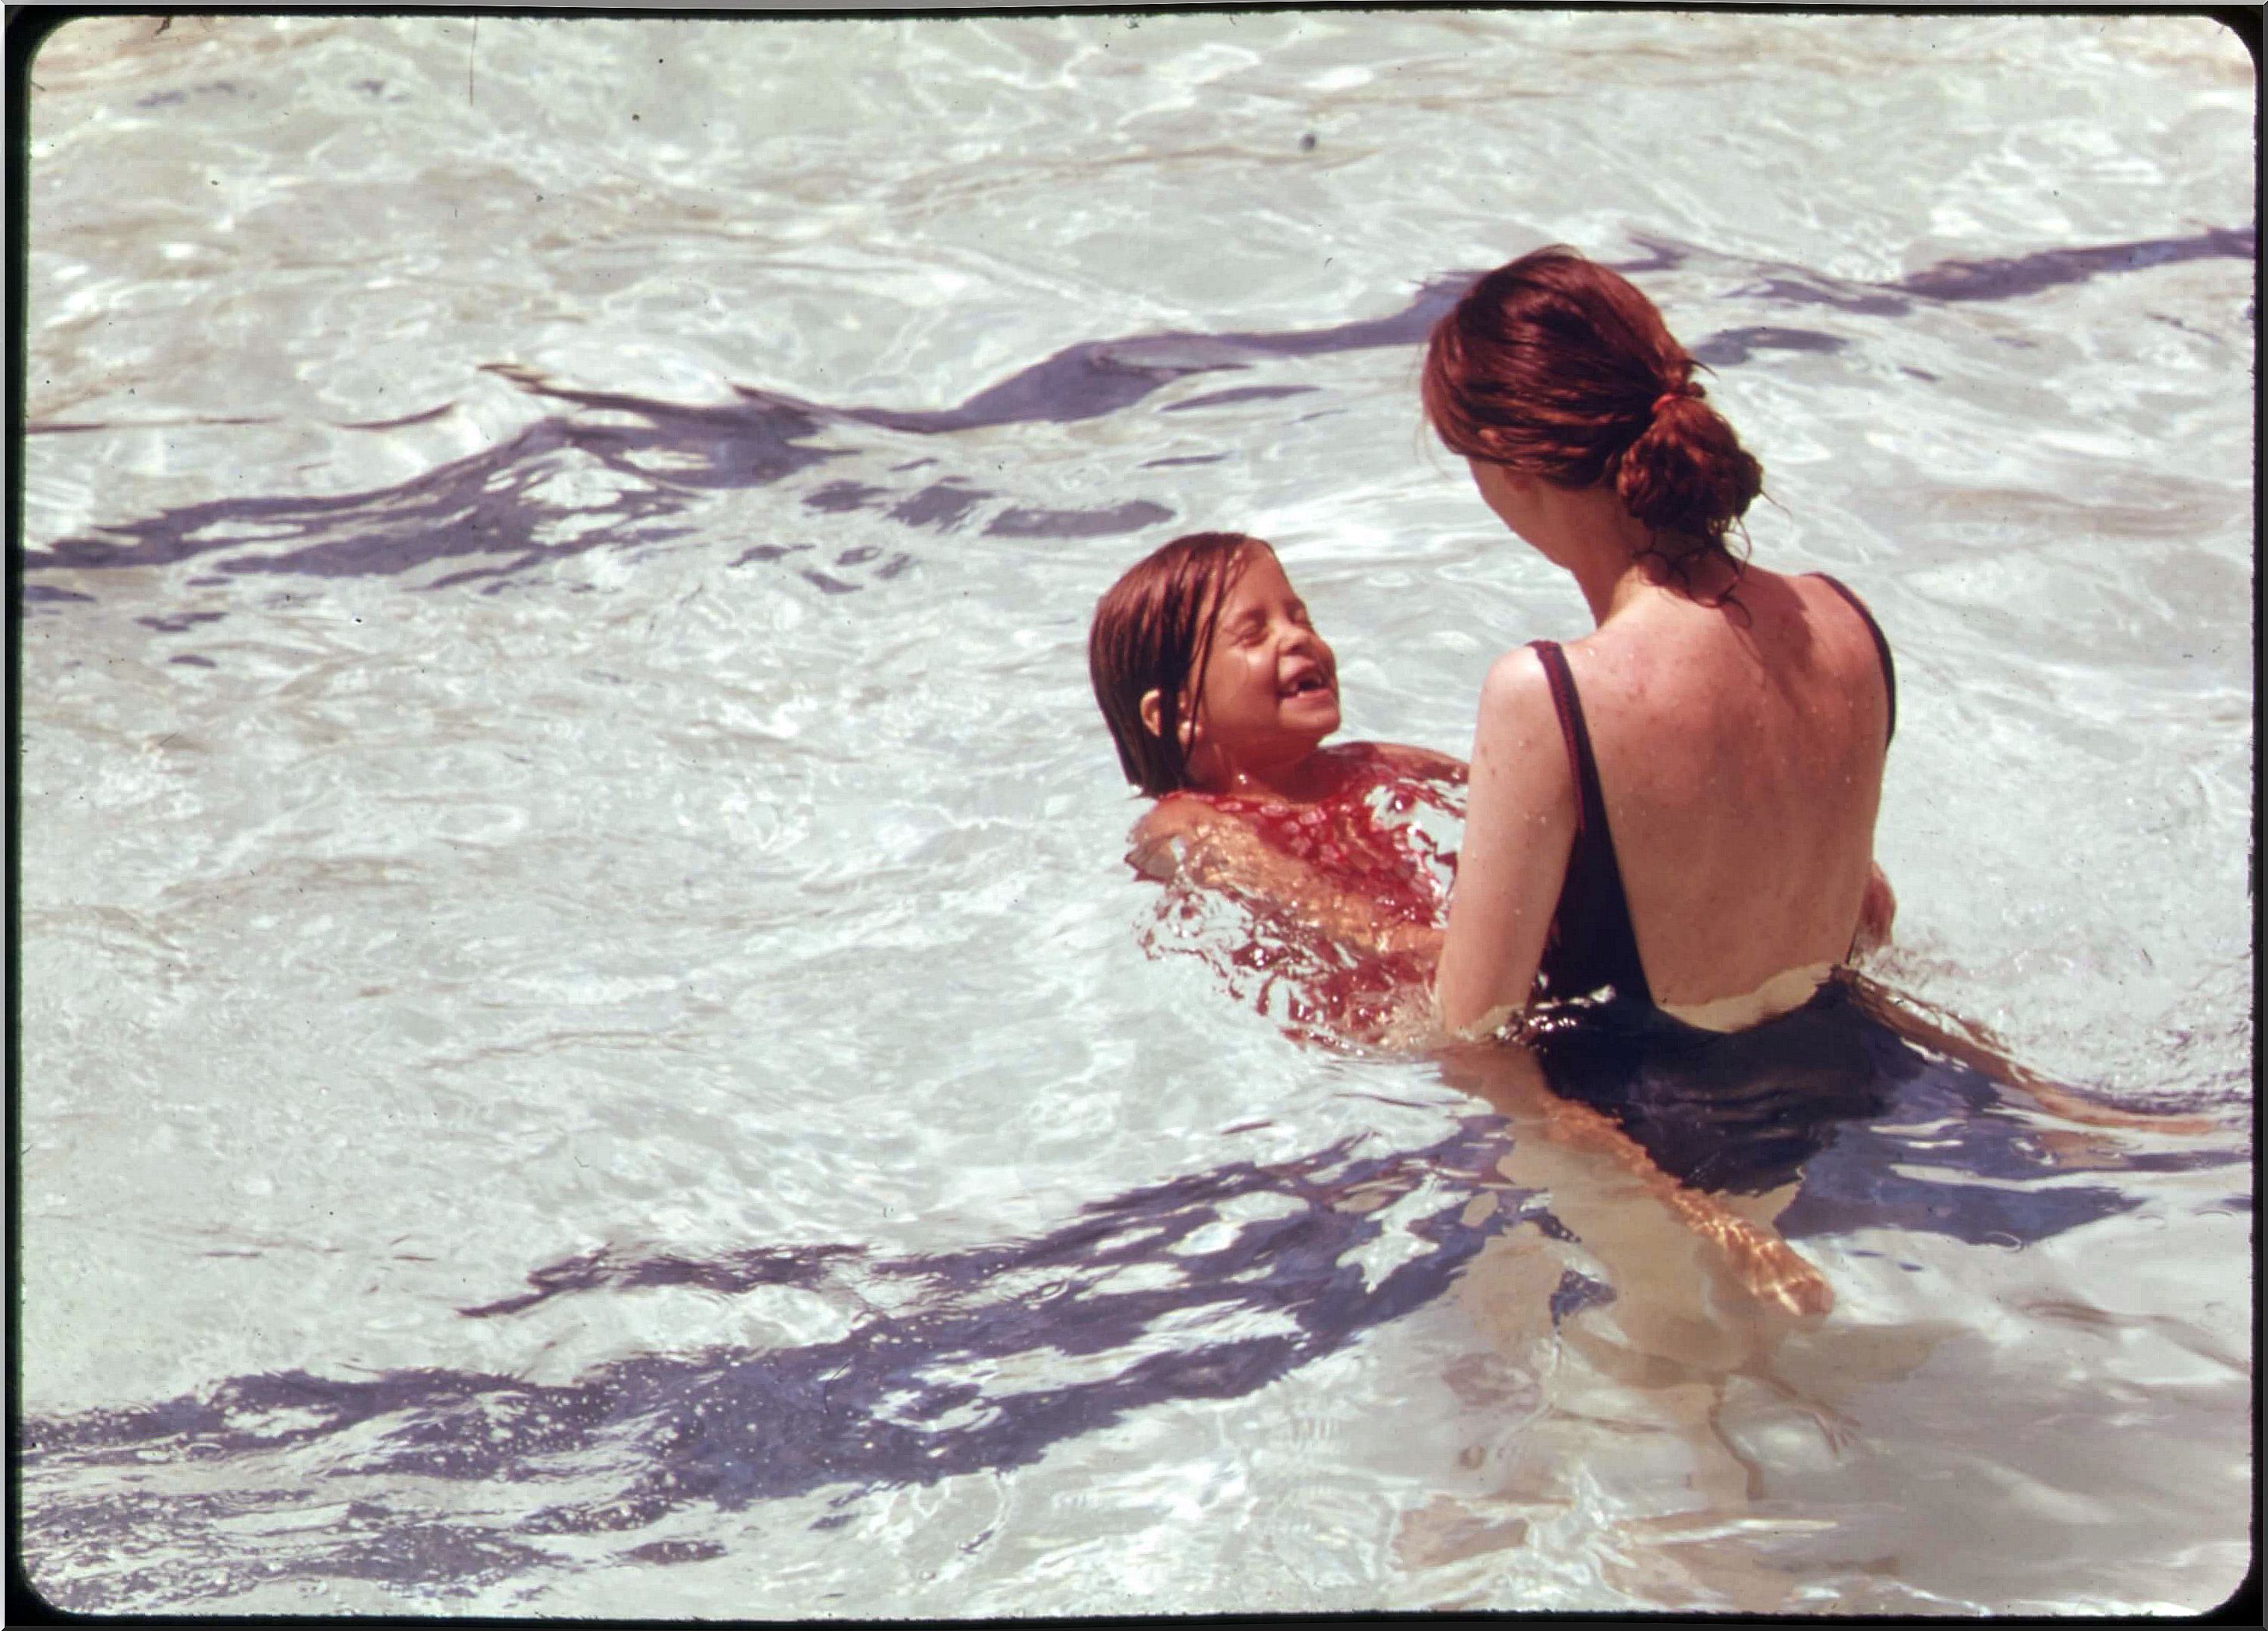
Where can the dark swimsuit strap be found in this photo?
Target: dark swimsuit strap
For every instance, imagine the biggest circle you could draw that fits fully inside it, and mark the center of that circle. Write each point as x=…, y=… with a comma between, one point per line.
x=1881, y=648
x=1591, y=814
x=1593, y=943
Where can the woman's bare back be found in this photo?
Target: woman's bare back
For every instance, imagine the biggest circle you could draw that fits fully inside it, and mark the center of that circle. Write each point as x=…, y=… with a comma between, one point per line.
x=1740, y=749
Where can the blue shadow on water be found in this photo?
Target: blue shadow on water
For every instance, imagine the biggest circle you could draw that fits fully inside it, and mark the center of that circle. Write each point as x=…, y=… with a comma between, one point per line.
x=1874, y=1132
x=489, y=511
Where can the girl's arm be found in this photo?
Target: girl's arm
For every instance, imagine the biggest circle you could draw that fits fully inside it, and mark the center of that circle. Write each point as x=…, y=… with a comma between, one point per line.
x=1187, y=839
x=1422, y=761
x=1520, y=828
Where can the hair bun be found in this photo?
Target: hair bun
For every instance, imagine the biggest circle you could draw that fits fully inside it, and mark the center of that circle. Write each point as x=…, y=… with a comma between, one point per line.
x=1687, y=473
x=1541, y=367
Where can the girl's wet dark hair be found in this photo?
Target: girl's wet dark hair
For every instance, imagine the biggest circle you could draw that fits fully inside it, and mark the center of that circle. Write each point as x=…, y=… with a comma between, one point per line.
x=1556, y=367
x=1152, y=630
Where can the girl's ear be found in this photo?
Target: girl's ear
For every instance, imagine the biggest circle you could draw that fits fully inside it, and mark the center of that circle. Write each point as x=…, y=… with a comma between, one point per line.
x=1153, y=719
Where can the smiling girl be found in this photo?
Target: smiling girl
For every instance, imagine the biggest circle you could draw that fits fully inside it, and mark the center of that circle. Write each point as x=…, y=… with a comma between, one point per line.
x=1219, y=692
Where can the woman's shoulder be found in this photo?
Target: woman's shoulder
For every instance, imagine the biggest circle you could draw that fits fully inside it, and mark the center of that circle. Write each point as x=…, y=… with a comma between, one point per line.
x=1519, y=689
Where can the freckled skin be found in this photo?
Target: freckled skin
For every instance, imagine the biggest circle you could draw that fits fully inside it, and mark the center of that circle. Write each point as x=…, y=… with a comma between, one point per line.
x=1740, y=749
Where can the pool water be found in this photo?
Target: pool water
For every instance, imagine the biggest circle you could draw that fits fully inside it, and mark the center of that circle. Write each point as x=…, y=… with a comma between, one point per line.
x=585, y=1046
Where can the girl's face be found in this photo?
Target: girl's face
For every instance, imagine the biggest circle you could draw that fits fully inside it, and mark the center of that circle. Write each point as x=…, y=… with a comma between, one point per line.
x=1270, y=691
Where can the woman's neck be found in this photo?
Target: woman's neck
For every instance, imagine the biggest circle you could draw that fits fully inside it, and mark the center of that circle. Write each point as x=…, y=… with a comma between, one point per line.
x=1616, y=559
x=1610, y=585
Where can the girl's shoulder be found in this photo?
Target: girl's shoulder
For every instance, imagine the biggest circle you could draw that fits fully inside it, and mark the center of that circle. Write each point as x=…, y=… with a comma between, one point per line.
x=1180, y=811
x=1388, y=760
x=1155, y=845
x=1360, y=766
x=1149, y=846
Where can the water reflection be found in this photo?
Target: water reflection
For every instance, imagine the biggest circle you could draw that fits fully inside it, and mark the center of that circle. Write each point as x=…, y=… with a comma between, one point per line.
x=531, y=498
x=989, y=1357
x=1212, y=1285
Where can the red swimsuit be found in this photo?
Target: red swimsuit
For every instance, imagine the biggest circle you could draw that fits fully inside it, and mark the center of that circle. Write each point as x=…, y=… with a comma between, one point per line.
x=1343, y=837
x=1360, y=839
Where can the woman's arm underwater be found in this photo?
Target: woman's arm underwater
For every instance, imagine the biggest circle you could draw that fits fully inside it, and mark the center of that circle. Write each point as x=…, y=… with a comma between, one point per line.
x=1984, y=1053
x=1507, y=1077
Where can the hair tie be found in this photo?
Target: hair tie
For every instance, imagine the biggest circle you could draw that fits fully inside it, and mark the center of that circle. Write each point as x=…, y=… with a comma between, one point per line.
x=1664, y=401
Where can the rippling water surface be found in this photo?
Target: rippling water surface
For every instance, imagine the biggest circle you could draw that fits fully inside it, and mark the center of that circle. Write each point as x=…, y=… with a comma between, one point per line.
x=584, y=1048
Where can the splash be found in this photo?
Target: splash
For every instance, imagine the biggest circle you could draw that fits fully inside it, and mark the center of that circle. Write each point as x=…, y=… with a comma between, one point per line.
x=1389, y=846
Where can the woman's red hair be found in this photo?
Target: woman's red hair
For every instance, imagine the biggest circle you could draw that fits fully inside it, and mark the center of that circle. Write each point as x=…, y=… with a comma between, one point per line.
x=1556, y=367
x=1152, y=631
